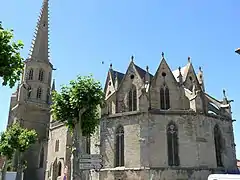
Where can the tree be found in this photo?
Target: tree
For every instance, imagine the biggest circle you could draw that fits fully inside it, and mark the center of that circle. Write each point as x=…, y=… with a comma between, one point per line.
x=77, y=106
x=16, y=140
x=11, y=63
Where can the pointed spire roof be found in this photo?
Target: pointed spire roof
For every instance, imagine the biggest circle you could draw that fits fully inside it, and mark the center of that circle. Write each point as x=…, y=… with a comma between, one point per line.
x=39, y=49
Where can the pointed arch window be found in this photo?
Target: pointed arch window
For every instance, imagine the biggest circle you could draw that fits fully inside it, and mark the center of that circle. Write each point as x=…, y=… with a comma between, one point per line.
x=55, y=170
x=49, y=78
x=30, y=74
x=119, y=158
x=88, y=144
x=29, y=92
x=164, y=98
x=57, y=146
x=41, y=158
x=172, y=145
x=218, y=145
x=39, y=93
x=41, y=75
x=132, y=98
x=59, y=169
x=48, y=96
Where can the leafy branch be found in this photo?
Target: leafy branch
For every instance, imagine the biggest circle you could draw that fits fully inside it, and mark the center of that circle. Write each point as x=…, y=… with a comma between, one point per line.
x=11, y=62
x=82, y=93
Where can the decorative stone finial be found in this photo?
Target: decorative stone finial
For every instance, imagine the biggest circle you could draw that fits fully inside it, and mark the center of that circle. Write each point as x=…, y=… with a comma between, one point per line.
x=200, y=68
x=224, y=93
x=147, y=68
x=162, y=54
x=132, y=58
x=111, y=66
x=179, y=69
x=180, y=76
x=189, y=59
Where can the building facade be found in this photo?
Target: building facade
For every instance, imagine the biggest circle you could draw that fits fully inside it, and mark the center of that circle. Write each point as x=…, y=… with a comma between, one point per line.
x=30, y=104
x=58, y=164
x=164, y=126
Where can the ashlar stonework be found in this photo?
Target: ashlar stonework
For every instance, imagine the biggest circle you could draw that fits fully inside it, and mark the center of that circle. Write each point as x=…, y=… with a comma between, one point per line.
x=171, y=128
x=162, y=126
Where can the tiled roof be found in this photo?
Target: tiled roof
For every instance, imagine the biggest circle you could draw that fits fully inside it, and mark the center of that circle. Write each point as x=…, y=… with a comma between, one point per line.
x=141, y=71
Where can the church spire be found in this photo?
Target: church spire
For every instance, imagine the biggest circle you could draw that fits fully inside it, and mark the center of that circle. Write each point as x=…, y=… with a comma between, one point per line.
x=39, y=49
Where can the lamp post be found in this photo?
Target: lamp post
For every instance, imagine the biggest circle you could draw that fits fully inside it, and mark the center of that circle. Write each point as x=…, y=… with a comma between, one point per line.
x=237, y=51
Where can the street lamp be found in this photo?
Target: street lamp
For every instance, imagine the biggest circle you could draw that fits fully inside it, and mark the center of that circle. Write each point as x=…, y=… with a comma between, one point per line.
x=237, y=51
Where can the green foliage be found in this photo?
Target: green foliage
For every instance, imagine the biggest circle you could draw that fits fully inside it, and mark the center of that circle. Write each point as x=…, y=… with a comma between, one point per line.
x=11, y=63
x=9, y=166
x=16, y=138
x=83, y=93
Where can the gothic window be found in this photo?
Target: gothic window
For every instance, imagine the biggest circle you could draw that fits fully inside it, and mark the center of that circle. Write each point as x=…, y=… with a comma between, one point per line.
x=41, y=75
x=164, y=98
x=57, y=146
x=41, y=158
x=88, y=144
x=132, y=99
x=119, y=146
x=48, y=95
x=29, y=91
x=30, y=74
x=59, y=169
x=39, y=93
x=49, y=78
x=172, y=144
x=55, y=170
x=218, y=145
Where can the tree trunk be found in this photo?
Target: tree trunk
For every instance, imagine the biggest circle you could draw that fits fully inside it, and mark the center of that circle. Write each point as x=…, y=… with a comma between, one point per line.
x=19, y=167
x=4, y=170
x=77, y=174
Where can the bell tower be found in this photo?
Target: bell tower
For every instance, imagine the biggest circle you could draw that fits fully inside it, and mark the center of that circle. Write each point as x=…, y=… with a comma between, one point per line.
x=30, y=104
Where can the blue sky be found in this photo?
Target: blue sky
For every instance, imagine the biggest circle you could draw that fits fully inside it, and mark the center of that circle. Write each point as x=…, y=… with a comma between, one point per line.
x=85, y=33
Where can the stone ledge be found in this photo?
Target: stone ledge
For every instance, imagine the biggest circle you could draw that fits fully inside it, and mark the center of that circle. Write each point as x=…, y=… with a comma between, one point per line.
x=125, y=169
x=56, y=124
x=166, y=112
x=200, y=168
x=116, y=115
x=171, y=112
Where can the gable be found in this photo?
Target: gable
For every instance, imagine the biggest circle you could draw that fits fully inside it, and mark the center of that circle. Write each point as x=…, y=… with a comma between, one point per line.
x=109, y=86
x=190, y=77
x=163, y=74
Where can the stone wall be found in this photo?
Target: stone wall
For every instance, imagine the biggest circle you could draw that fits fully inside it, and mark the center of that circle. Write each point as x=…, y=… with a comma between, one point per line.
x=155, y=174
x=58, y=131
x=146, y=144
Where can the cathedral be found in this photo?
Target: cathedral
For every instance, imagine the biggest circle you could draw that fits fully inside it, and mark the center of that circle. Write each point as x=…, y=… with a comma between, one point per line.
x=160, y=127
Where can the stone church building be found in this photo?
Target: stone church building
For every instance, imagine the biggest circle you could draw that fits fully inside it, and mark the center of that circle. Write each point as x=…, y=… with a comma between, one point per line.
x=161, y=126
x=164, y=126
